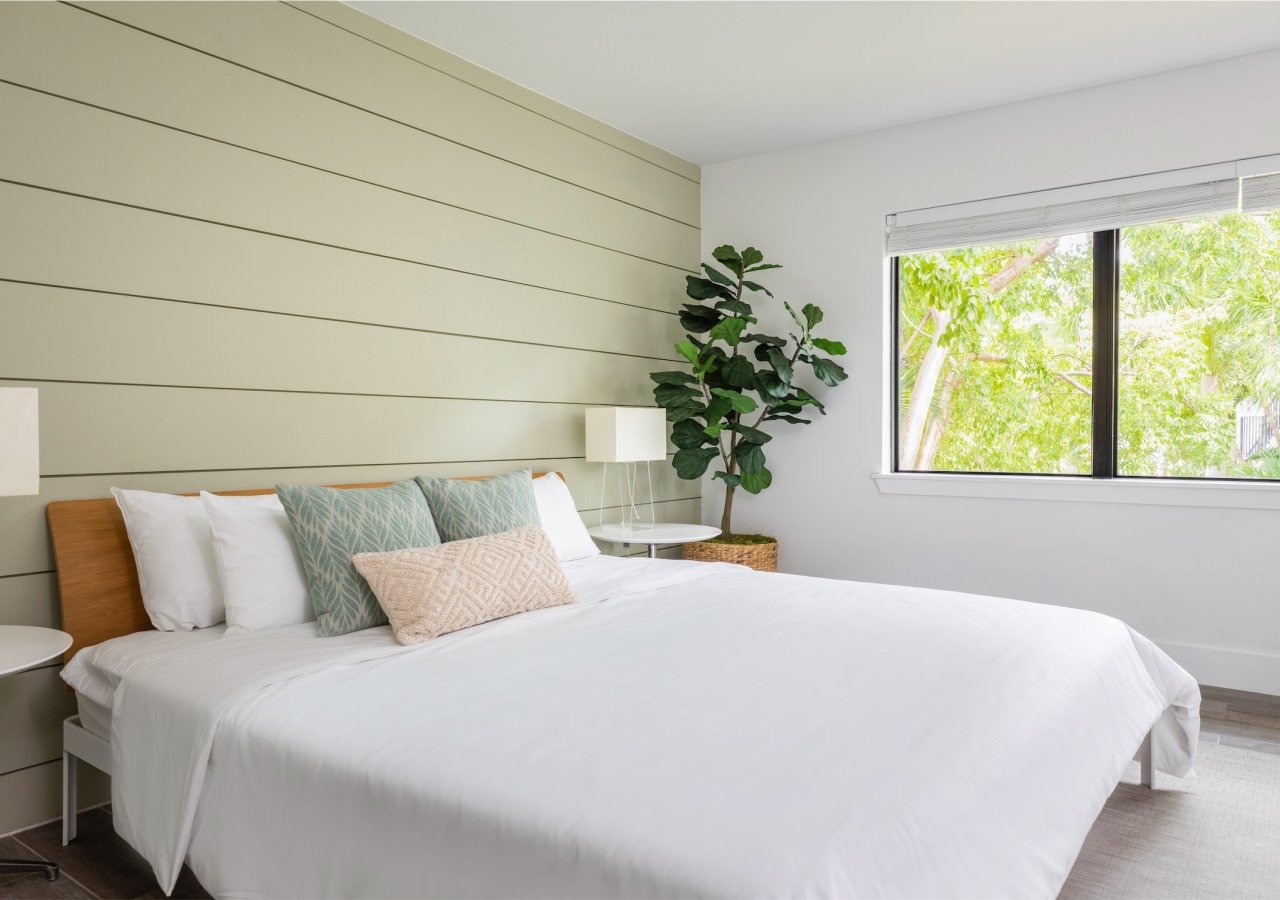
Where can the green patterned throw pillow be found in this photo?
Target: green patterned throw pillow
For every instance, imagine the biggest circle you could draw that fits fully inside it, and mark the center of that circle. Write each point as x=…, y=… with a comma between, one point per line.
x=468, y=509
x=333, y=524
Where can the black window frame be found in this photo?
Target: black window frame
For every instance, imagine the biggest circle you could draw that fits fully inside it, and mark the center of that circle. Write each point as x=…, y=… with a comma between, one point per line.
x=1105, y=397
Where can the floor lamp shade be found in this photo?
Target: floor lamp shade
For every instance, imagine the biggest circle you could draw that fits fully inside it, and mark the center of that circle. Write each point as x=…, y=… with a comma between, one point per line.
x=19, y=442
x=626, y=434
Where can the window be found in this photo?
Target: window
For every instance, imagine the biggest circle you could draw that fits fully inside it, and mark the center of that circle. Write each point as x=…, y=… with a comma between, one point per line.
x=1134, y=336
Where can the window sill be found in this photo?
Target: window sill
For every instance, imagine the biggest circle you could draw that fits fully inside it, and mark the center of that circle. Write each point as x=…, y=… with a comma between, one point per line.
x=1156, y=492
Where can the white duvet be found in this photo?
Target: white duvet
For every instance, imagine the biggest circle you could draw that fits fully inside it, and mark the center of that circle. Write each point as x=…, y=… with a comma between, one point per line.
x=685, y=730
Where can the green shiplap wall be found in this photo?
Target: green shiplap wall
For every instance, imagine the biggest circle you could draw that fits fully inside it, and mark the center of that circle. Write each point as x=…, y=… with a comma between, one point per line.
x=249, y=242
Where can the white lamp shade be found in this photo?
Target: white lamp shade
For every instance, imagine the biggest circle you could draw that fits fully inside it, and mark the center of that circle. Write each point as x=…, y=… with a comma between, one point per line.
x=626, y=434
x=19, y=442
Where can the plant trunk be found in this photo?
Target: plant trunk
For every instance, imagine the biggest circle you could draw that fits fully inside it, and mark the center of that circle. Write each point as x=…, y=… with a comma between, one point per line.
x=726, y=518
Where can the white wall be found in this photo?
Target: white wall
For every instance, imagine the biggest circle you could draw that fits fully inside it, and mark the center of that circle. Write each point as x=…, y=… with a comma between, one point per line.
x=1201, y=581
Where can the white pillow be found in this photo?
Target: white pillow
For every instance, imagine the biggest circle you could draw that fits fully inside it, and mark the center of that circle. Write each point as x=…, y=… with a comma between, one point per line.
x=560, y=519
x=174, y=552
x=263, y=585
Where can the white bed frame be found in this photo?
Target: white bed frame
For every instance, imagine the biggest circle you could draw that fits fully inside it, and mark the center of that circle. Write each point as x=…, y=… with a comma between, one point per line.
x=79, y=744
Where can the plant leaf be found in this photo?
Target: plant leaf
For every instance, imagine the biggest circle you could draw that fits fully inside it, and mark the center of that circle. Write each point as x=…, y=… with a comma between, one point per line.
x=728, y=257
x=677, y=414
x=781, y=365
x=755, y=482
x=688, y=434
x=835, y=348
x=738, y=372
x=771, y=386
x=714, y=414
x=828, y=372
x=750, y=458
x=804, y=398
x=794, y=315
x=751, y=435
x=672, y=378
x=729, y=480
x=761, y=268
x=738, y=402
x=688, y=351
x=794, y=420
x=717, y=276
x=692, y=464
x=751, y=285
x=812, y=316
x=751, y=256
x=738, y=307
x=702, y=289
x=669, y=396
x=729, y=330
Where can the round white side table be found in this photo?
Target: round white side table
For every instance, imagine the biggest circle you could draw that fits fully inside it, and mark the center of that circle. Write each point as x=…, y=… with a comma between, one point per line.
x=21, y=647
x=653, y=535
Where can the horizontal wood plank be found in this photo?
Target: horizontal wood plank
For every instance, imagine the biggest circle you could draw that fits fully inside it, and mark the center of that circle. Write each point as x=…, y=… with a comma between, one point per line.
x=34, y=794
x=43, y=697
x=29, y=600
x=57, y=48
x=70, y=147
x=398, y=41
x=289, y=44
x=127, y=340
x=137, y=252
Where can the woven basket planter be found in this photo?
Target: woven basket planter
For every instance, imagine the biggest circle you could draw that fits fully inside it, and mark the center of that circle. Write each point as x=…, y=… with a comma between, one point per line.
x=761, y=557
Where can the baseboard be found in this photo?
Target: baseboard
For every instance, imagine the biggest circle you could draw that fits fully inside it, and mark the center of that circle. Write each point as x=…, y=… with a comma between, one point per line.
x=1236, y=669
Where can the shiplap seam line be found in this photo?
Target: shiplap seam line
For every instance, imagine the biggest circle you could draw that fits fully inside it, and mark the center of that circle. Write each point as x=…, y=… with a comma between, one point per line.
x=317, y=243
x=477, y=87
x=27, y=574
x=274, y=312
x=311, y=393
x=393, y=465
x=31, y=766
x=335, y=173
x=347, y=103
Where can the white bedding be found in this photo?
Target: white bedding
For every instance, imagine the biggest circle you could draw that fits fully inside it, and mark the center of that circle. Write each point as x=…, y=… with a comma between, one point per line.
x=686, y=730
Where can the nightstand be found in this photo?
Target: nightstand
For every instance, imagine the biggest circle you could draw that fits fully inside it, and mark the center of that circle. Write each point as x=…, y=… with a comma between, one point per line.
x=21, y=647
x=653, y=535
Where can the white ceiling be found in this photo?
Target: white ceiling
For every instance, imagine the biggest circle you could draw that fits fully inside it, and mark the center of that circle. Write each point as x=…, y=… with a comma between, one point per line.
x=711, y=81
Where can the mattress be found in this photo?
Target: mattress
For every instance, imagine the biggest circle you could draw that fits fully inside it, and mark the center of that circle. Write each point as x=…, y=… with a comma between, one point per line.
x=95, y=672
x=94, y=717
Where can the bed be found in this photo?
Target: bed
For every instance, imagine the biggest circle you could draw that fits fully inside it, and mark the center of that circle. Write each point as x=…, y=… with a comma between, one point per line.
x=686, y=729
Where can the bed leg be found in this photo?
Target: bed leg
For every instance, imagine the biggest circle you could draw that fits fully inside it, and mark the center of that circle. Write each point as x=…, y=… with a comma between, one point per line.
x=69, y=800
x=1145, y=762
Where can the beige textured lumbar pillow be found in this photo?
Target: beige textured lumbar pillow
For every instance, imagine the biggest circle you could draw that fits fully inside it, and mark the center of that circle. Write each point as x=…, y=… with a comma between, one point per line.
x=434, y=590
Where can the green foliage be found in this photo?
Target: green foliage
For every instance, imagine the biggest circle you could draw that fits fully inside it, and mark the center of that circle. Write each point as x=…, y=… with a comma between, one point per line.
x=1199, y=334
x=738, y=381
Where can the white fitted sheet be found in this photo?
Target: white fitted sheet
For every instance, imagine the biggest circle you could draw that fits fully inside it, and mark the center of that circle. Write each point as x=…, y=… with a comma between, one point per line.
x=94, y=717
x=686, y=730
x=95, y=672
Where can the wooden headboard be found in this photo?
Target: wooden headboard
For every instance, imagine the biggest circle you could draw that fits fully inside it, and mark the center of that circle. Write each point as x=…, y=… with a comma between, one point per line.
x=97, y=577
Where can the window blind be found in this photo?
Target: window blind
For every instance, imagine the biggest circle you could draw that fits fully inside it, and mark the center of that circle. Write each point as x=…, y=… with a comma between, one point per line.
x=1072, y=216
x=1260, y=192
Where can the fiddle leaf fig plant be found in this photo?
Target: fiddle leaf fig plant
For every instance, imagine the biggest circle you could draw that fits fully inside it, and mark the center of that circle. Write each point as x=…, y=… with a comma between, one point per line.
x=740, y=382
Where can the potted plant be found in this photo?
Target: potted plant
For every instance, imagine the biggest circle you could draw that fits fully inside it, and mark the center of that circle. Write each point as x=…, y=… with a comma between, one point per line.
x=739, y=384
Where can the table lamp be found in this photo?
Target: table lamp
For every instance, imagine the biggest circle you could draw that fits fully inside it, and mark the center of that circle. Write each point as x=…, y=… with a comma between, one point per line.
x=19, y=442
x=626, y=435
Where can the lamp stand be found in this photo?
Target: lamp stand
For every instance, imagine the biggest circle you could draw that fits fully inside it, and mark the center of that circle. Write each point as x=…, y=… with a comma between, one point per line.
x=628, y=476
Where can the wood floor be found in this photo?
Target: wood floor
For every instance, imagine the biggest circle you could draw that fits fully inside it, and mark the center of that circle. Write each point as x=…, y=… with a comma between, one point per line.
x=99, y=864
